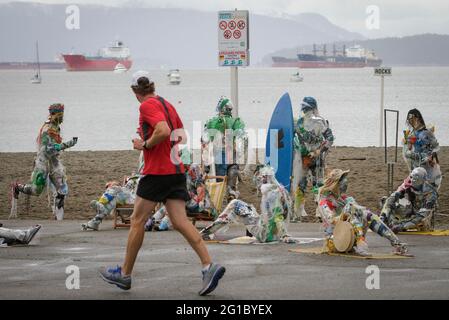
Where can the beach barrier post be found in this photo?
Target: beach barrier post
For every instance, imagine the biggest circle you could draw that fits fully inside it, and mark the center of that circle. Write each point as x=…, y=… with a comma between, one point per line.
x=390, y=164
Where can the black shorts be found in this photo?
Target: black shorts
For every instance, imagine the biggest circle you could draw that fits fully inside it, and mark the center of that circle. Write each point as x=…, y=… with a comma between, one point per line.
x=159, y=188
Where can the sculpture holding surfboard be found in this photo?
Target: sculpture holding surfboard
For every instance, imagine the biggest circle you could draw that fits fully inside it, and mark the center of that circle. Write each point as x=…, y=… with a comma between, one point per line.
x=298, y=152
x=313, y=139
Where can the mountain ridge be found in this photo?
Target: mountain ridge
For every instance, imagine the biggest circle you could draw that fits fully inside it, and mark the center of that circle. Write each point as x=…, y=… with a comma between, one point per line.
x=426, y=49
x=175, y=37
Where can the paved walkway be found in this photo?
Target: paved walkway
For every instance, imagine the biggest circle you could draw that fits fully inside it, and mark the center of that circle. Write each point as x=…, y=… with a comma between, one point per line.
x=167, y=268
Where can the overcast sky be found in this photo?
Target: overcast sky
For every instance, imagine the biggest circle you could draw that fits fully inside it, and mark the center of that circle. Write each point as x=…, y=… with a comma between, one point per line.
x=397, y=17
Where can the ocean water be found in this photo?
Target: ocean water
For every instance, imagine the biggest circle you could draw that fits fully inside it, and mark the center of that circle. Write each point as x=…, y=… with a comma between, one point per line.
x=102, y=111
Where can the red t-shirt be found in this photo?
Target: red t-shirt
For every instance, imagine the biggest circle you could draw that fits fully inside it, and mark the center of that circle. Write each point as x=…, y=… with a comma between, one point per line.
x=158, y=158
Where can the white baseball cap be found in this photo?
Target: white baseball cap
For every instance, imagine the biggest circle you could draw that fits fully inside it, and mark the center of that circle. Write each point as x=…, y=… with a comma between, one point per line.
x=140, y=74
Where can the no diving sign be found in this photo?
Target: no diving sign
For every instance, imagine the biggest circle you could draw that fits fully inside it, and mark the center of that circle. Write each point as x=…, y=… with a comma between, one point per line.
x=233, y=38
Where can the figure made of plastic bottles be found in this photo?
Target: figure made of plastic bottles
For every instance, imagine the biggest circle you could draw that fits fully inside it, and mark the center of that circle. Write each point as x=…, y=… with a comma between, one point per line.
x=421, y=200
x=334, y=205
x=265, y=227
x=11, y=237
x=313, y=139
x=48, y=167
x=114, y=194
x=200, y=201
x=420, y=148
x=225, y=140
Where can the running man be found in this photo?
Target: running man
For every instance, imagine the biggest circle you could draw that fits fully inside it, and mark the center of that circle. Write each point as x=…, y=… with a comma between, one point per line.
x=163, y=181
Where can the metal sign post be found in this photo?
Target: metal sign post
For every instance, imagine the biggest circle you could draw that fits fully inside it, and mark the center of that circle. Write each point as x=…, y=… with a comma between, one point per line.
x=233, y=46
x=235, y=89
x=382, y=72
x=391, y=164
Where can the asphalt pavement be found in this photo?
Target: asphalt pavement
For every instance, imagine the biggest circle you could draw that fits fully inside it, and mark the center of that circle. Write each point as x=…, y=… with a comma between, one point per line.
x=167, y=268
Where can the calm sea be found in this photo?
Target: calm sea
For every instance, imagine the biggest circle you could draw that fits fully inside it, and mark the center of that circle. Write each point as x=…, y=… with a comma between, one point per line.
x=102, y=111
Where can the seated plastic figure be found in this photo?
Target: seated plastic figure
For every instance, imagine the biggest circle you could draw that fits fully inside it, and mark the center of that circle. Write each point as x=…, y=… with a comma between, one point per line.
x=420, y=197
x=115, y=194
x=269, y=225
x=18, y=236
x=159, y=221
x=335, y=205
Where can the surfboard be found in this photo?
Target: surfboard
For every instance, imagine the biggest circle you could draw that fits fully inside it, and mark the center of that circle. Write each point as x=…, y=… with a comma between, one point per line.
x=279, y=144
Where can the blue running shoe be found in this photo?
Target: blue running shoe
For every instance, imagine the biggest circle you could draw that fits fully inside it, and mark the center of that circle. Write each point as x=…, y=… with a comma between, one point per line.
x=114, y=276
x=211, y=278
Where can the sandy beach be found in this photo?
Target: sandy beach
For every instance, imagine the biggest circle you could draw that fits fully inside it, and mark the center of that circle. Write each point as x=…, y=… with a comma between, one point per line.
x=87, y=172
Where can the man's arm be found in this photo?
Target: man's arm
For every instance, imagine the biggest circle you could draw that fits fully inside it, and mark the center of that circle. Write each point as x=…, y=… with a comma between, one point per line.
x=160, y=133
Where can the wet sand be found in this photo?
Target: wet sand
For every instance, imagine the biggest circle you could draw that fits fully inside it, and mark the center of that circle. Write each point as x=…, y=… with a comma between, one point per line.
x=88, y=171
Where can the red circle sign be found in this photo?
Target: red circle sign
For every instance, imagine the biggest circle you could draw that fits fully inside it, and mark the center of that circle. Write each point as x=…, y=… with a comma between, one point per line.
x=232, y=24
x=227, y=34
x=241, y=24
x=237, y=34
x=223, y=25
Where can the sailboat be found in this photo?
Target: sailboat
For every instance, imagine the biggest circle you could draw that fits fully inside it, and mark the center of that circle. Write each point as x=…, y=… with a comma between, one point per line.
x=37, y=77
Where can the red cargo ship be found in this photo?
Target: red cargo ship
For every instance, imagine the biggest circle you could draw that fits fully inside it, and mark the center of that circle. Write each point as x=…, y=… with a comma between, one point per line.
x=106, y=60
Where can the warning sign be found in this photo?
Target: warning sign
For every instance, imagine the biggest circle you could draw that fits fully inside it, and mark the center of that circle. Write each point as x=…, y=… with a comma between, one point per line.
x=227, y=34
x=233, y=34
x=241, y=24
x=233, y=38
x=233, y=59
x=223, y=25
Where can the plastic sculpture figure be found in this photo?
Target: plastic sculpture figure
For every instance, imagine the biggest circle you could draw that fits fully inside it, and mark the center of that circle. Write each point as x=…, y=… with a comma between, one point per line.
x=48, y=167
x=335, y=205
x=224, y=144
x=114, y=194
x=420, y=147
x=267, y=226
x=17, y=236
x=420, y=197
x=313, y=139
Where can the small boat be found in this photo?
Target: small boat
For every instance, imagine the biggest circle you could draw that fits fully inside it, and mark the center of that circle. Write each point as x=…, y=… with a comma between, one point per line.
x=36, y=79
x=296, y=77
x=174, y=77
x=120, y=68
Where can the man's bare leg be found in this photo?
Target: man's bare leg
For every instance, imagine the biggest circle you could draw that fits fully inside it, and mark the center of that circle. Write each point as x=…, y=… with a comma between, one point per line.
x=142, y=210
x=177, y=214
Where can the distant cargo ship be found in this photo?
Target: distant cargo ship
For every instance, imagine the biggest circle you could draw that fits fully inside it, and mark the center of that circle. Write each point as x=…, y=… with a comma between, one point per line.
x=106, y=60
x=353, y=57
